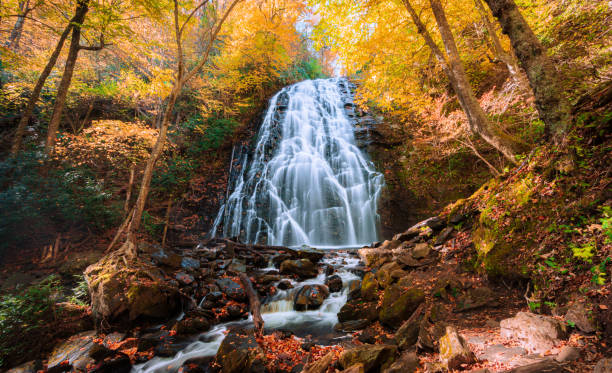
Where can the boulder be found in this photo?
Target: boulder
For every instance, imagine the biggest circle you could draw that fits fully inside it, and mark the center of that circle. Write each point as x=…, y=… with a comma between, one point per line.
x=476, y=298
x=372, y=257
x=311, y=254
x=72, y=354
x=140, y=289
x=544, y=366
x=407, y=335
x=285, y=284
x=421, y=250
x=536, y=333
x=334, y=283
x=603, y=366
x=191, y=324
x=399, y=304
x=232, y=289
x=408, y=362
x=237, y=266
x=433, y=223
x=357, y=368
x=184, y=279
x=190, y=263
x=167, y=259
x=239, y=352
x=374, y=358
x=454, y=350
x=29, y=367
x=390, y=244
x=310, y=297
x=266, y=279
x=568, y=353
x=578, y=315
x=369, y=287
x=354, y=289
x=383, y=275
x=302, y=268
x=352, y=325
x=358, y=310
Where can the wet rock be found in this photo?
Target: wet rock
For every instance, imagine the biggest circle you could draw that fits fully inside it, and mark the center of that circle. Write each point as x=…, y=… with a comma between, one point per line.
x=544, y=366
x=237, y=266
x=358, y=310
x=603, y=366
x=152, y=339
x=72, y=354
x=421, y=250
x=310, y=297
x=578, y=315
x=117, y=363
x=267, y=279
x=167, y=259
x=235, y=312
x=191, y=324
x=352, y=325
x=536, y=333
x=285, y=284
x=476, y=298
x=399, y=304
x=190, y=263
x=303, y=268
x=373, y=357
x=239, y=352
x=454, y=350
x=232, y=288
x=311, y=254
x=281, y=257
x=196, y=365
x=334, y=283
x=29, y=367
x=408, y=362
x=369, y=287
x=354, y=289
x=443, y=236
x=321, y=365
x=184, y=279
x=367, y=336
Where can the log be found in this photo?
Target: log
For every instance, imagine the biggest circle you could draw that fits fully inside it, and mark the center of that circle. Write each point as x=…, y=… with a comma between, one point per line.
x=254, y=304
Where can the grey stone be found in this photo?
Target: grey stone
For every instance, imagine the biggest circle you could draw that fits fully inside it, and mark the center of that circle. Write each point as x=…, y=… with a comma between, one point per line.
x=536, y=333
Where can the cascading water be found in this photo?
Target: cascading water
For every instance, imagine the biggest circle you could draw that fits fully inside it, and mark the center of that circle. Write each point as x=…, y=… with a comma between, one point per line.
x=307, y=183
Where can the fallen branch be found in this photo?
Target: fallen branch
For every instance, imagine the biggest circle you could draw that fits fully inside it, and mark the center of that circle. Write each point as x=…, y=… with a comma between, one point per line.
x=254, y=305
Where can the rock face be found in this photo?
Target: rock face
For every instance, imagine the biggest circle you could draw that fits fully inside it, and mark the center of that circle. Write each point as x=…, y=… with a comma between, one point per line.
x=369, y=287
x=374, y=358
x=310, y=297
x=373, y=256
x=408, y=334
x=536, y=333
x=239, y=352
x=302, y=268
x=138, y=290
x=454, y=350
x=399, y=304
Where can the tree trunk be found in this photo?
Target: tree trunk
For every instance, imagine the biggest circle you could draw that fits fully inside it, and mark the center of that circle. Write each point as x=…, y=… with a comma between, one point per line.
x=27, y=114
x=13, y=41
x=478, y=122
x=544, y=79
x=62, y=90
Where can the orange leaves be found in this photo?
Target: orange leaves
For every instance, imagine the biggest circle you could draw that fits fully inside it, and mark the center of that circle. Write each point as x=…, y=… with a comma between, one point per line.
x=285, y=354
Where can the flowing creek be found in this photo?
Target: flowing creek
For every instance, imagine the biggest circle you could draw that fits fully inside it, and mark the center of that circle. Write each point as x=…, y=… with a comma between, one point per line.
x=307, y=183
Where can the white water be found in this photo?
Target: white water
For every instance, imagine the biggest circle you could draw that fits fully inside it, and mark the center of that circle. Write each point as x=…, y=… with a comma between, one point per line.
x=307, y=183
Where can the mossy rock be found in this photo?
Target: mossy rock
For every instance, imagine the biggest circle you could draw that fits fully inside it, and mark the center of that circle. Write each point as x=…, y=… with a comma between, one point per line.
x=120, y=289
x=399, y=304
x=375, y=358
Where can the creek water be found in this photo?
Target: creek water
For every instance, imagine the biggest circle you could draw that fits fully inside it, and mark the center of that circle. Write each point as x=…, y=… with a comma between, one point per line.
x=305, y=183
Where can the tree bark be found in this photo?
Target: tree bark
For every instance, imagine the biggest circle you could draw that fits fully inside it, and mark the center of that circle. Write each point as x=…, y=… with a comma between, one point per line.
x=62, y=90
x=27, y=114
x=478, y=122
x=13, y=41
x=544, y=79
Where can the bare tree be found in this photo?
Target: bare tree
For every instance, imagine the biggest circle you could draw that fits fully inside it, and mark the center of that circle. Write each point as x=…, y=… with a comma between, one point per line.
x=452, y=66
x=544, y=79
x=133, y=220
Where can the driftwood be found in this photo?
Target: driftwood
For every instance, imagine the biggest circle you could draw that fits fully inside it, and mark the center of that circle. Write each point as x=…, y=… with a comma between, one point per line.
x=254, y=304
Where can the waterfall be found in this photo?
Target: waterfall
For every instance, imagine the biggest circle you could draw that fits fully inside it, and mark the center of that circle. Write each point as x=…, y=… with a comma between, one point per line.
x=306, y=183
